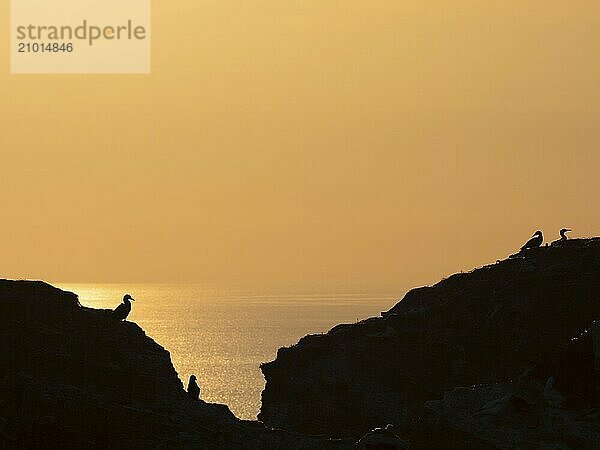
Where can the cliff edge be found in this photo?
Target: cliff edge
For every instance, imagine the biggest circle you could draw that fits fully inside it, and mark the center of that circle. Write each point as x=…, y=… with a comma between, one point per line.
x=74, y=377
x=474, y=361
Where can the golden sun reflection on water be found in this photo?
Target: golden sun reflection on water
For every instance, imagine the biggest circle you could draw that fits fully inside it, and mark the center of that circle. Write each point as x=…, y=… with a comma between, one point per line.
x=223, y=334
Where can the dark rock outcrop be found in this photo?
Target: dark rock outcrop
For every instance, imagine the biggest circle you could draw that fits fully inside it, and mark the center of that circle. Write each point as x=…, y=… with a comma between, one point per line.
x=503, y=330
x=555, y=405
x=381, y=439
x=73, y=377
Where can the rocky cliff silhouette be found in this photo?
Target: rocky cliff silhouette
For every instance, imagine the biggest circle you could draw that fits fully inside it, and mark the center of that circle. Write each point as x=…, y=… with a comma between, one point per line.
x=496, y=358
x=73, y=377
x=506, y=356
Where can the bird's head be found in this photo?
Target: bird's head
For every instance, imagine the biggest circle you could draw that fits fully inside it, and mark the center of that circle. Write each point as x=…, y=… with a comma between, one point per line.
x=128, y=298
x=537, y=233
x=193, y=378
x=563, y=234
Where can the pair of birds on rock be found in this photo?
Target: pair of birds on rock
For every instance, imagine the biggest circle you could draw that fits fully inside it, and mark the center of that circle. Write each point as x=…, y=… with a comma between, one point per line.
x=538, y=238
x=122, y=311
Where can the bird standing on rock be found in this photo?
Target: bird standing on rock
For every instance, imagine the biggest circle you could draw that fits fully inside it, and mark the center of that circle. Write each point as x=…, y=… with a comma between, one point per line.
x=535, y=241
x=122, y=311
x=563, y=234
x=193, y=389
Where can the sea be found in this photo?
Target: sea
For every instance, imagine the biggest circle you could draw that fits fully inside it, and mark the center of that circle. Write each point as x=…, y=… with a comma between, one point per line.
x=223, y=334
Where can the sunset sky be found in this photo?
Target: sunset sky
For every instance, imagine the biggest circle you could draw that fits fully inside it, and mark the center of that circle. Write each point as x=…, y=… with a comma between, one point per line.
x=307, y=141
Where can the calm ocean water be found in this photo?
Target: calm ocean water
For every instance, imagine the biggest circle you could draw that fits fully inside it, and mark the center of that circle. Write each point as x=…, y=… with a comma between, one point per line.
x=223, y=334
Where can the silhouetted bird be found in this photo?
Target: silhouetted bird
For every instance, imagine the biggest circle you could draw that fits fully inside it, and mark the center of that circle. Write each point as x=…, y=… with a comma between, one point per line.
x=535, y=241
x=122, y=311
x=563, y=234
x=193, y=389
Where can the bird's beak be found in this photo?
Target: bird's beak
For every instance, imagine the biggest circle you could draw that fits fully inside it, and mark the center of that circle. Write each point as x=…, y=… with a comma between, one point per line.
x=568, y=229
x=132, y=299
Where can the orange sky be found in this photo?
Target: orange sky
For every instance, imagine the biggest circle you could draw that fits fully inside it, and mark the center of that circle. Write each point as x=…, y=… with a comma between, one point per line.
x=307, y=141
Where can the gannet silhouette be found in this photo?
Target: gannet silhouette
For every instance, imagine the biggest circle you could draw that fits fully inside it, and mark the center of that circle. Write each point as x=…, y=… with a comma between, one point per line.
x=122, y=311
x=535, y=241
x=563, y=236
x=193, y=389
